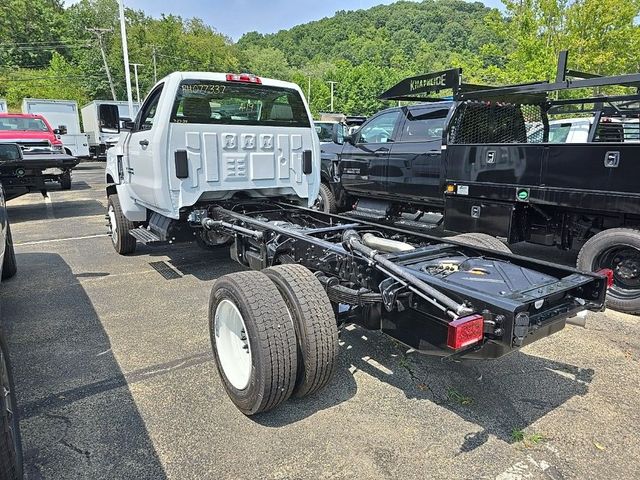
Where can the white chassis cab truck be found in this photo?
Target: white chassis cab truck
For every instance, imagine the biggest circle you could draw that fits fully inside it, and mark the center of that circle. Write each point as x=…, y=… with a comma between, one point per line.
x=235, y=159
x=205, y=137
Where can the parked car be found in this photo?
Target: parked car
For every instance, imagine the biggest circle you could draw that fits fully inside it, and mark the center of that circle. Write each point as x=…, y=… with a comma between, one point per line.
x=10, y=440
x=32, y=132
x=21, y=174
x=64, y=116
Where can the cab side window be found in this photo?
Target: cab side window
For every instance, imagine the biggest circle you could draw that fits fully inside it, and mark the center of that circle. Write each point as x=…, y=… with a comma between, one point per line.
x=379, y=129
x=147, y=114
x=425, y=126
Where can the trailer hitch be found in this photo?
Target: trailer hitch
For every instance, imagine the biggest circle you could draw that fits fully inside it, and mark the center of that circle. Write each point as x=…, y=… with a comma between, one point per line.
x=353, y=242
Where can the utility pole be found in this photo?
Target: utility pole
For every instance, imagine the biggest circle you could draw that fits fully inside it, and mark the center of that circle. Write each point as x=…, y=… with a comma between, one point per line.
x=155, y=66
x=309, y=91
x=332, y=84
x=135, y=70
x=125, y=54
x=98, y=33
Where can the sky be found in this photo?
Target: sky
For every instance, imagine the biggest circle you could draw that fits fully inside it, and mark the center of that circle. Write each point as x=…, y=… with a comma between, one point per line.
x=235, y=17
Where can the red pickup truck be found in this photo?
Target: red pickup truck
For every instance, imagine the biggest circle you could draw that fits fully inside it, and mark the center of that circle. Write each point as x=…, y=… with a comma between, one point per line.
x=32, y=132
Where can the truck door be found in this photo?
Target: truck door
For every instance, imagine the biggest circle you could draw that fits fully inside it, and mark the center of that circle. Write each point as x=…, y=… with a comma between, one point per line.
x=363, y=163
x=415, y=164
x=141, y=167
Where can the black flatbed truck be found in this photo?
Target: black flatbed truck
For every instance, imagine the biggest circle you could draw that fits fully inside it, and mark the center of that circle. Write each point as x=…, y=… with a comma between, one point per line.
x=26, y=173
x=505, y=180
x=498, y=171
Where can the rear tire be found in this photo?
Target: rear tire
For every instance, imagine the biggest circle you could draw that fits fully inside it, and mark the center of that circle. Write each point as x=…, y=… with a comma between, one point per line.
x=619, y=250
x=9, y=266
x=65, y=180
x=120, y=226
x=247, y=316
x=10, y=440
x=315, y=325
x=481, y=240
x=326, y=200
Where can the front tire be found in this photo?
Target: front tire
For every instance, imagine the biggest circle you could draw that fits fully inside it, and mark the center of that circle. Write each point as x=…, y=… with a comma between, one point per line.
x=9, y=266
x=326, y=200
x=10, y=440
x=315, y=325
x=119, y=227
x=253, y=341
x=619, y=250
x=65, y=180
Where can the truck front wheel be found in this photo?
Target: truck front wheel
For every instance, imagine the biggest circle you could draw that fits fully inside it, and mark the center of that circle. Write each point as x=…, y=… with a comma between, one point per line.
x=253, y=340
x=326, y=200
x=119, y=227
x=65, y=180
x=619, y=250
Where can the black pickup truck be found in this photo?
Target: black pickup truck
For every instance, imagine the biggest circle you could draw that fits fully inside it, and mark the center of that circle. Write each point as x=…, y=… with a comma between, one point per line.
x=22, y=173
x=394, y=157
x=491, y=160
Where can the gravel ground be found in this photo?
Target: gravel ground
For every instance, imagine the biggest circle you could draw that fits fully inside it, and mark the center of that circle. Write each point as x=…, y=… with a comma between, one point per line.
x=116, y=380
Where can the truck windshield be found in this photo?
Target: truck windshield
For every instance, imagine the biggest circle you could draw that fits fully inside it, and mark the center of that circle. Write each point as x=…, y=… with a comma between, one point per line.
x=24, y=124
x=212, y=102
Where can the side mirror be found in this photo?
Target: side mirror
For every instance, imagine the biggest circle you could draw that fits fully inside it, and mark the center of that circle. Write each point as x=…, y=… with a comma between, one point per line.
x=61, y=130
x=337, y=136
x=128, y=125
x=350, y=139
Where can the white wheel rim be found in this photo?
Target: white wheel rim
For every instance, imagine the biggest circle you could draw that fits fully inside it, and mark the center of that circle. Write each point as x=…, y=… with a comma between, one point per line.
x=232, y=344
x=113, y=225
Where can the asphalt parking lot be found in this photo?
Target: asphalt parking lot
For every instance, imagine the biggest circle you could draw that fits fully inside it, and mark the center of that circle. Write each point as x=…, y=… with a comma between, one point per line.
x=115, y=379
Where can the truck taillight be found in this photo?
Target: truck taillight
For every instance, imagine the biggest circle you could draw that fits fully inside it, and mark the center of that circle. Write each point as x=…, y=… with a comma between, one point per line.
x=608, y=273
x=243, y=77
x=465, y=331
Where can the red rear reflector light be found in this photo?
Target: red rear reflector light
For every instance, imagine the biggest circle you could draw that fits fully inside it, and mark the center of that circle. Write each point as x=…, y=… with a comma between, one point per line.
x=607, y=272
x=243, y=77
x=465, y=331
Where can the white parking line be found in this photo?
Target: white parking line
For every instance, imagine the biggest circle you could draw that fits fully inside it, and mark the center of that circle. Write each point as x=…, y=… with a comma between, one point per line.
x=37, y=242
x=48, y=205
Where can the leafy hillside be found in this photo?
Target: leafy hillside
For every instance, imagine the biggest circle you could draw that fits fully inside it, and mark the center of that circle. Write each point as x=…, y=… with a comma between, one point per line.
x=47, y=51
x=399, y=35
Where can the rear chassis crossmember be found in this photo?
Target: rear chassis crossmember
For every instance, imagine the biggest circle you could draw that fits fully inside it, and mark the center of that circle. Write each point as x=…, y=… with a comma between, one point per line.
x=397, y=292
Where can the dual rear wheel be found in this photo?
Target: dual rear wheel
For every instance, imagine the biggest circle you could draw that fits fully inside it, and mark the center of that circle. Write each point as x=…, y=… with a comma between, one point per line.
x=273, y=335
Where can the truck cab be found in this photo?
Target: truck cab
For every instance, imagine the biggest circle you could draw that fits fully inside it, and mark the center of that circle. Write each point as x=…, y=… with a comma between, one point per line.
x=203, y=137
x=32, y=132
x=395, y=156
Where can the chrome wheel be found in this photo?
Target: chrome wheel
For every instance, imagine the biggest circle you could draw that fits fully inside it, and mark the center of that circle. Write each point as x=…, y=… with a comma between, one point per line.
x=232, y=344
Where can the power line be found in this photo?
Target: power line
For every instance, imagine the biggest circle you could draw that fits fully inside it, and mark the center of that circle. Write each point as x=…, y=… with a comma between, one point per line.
x=98, y=32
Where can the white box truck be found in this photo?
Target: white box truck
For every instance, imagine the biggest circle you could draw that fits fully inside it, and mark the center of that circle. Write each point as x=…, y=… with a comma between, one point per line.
x=102, y=121
x=62, y=115
x=3, y=106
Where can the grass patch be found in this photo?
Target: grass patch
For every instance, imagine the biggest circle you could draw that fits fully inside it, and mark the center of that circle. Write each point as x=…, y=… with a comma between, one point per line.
x=519, y=436
x=457, y=397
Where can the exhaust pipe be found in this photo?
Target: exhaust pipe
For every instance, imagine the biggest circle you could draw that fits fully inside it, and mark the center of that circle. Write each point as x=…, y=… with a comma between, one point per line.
x=385, y=245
